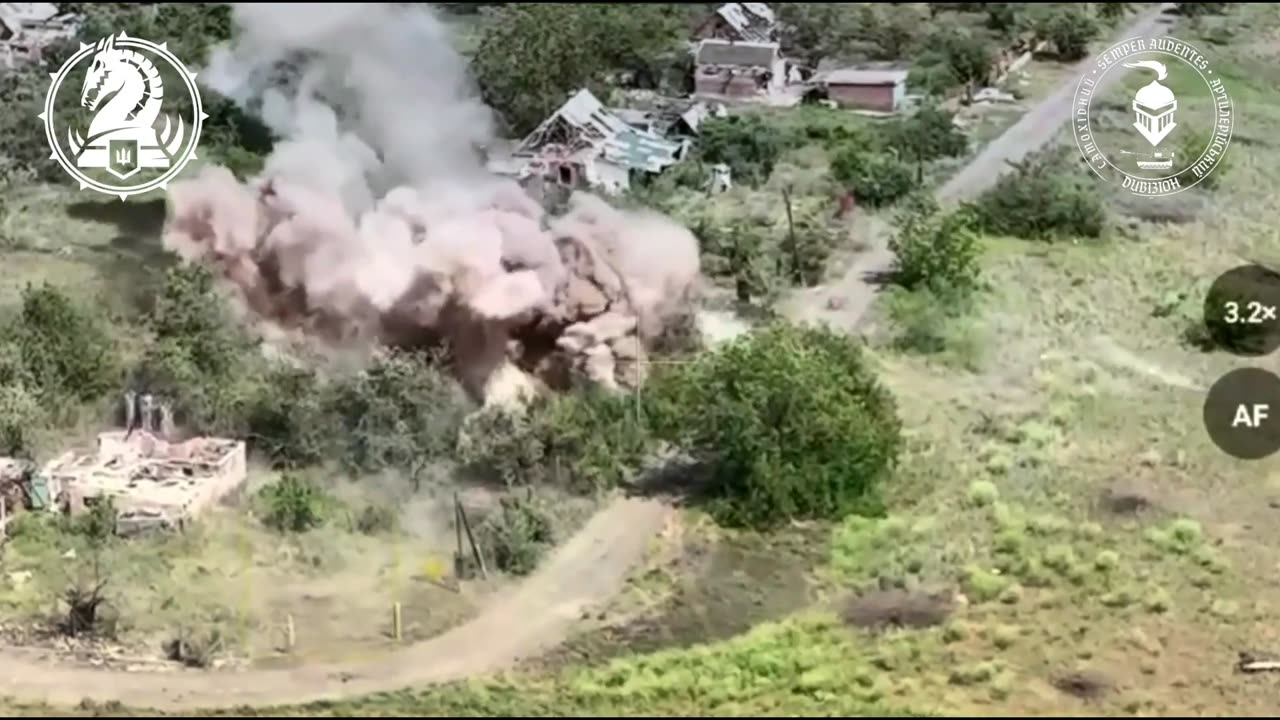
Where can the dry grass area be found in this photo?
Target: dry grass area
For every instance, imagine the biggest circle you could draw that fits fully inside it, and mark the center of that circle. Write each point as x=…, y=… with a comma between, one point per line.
x=230, y=575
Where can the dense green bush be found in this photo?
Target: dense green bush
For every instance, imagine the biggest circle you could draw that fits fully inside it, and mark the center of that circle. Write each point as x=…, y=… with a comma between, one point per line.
x=934, y=249
x=749, y=144
x=19, y=416
x=294, y=504
x=286, y=417
x=1070, y=29
x=516, y=535
x=792, y=420
x=1045, y=198
x=585, y=441
x=876, y=179
x=402, y=411
x=66, y=350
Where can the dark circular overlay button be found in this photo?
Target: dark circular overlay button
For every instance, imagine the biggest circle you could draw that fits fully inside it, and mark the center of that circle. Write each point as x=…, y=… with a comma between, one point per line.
x=1242, y=413
x=1242, y=311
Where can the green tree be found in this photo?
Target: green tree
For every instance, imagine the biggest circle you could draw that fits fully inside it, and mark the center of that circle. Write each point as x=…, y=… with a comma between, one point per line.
x=531, y=57
x=1110, y=12
x=1070, y=29
x=929, y=134
x=20, y=415
x=198, y=356
x=968, y=57
x=1046, y=197
x=791, y=419
x=1199, y=9
x=517, y=534
x=749, y=144
x=66, y=350
x=1001, y=17
x=877, y=179
x=287, y=419
x=813, y=31
x=293, y=504
x=402, y=412
x=934, y=250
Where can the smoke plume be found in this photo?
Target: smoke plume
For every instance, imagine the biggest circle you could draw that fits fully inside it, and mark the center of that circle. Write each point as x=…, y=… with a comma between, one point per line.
x=374, y=220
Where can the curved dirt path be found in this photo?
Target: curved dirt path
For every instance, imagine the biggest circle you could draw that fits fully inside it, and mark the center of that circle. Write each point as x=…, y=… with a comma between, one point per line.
x=586, y=571
x=856, y=289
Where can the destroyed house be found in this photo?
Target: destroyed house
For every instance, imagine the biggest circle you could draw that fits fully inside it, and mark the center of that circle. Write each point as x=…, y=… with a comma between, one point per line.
x=738, y=69
x=740, y=22
x=26, y=28
x=583, y=143
x=153, y=483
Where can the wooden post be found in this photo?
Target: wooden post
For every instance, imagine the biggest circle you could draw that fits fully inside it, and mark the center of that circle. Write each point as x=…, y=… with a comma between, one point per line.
x=290, y=637
x=457, y=526
x=396, y=626
x=475, y=548
x=791, y=238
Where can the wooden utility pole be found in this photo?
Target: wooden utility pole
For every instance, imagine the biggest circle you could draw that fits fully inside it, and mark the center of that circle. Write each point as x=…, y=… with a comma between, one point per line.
x=464, y=525
x=791, y=237
x=471, y=538
x=397, y=626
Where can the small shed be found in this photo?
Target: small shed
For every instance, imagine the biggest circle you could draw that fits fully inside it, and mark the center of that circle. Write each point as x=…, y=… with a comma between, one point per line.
x=879, y=90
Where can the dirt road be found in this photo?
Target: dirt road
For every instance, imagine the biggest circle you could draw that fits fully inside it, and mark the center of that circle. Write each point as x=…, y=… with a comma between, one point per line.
x=586, y=571
x=856, y=289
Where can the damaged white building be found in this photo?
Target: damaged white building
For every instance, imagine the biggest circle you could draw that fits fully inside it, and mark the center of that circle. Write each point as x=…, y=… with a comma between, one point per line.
x=153, y=483
x=583, y=144
x=27, y=28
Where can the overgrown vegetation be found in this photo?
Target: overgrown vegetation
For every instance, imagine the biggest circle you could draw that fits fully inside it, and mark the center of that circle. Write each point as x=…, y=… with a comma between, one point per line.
x=517, y=534
x=935, y=250
x=1046, y=197
x=294, y=504
x=791, y=420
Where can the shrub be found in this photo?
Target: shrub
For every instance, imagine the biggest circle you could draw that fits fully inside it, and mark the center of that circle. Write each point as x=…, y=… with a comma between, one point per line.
x=925, y=322
x=934, y=250
x=982, y=493
x=749, y=144
x=293, y=504
x=66, y=351
x=792, y=420
x=584, y=441
x=98, y=525
x=1071, y=29
x=20, y=414
x=1199, y=9
x=401, y=412
x=286, y=418
x=1190, y=147
x=517, y=535
x=1045, y=198
x=876, y=179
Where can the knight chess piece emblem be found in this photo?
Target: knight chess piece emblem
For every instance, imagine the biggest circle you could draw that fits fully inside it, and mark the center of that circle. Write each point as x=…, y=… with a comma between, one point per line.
x=136, y=122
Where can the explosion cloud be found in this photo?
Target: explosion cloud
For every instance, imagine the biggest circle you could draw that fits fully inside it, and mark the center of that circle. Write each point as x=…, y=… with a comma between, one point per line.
x=374, y=221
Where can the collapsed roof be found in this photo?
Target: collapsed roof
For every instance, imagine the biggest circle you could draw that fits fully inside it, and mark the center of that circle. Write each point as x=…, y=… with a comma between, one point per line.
x=586, y=128
x=751, y=21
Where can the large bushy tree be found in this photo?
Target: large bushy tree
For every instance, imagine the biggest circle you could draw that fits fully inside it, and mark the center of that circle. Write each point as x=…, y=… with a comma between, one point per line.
x=791, y=419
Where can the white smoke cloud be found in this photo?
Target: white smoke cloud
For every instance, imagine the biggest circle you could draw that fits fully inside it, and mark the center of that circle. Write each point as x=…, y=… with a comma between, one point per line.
x=374, y=220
